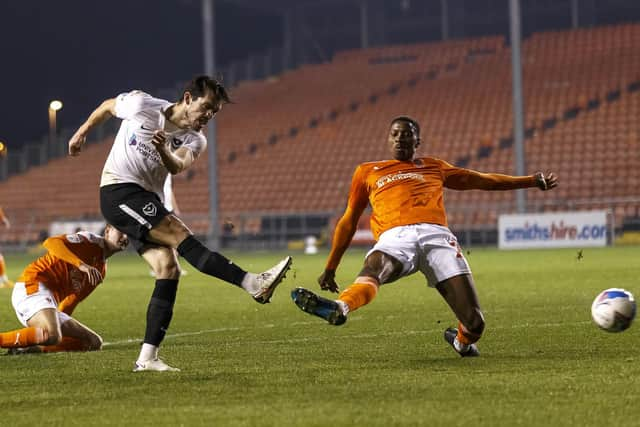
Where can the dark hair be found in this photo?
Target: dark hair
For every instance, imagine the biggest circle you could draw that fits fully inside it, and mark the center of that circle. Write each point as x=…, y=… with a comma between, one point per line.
x=202, y=85
x=412, y=122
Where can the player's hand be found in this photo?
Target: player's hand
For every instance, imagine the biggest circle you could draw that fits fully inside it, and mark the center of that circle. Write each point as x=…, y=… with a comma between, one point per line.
x=76, y=142
x=93, y=274
x=159, y=139
x=327, y=281
x=546, y=182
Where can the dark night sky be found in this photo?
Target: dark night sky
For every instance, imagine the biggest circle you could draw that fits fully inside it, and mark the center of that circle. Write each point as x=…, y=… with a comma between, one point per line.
x=83, y=52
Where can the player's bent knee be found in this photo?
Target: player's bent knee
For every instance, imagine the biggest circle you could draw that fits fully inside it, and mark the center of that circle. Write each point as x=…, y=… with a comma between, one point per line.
x=168, y=271
x=165, y=264
x=381, y=266
x=174, y=226
x=52, y=334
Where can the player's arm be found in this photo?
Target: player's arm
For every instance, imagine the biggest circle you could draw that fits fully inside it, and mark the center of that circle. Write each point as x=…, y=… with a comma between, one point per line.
x=70, y=302
x=104, y=112
x=4, y=219
x=175, y=161
x=345, y=229
x=58, y=247
x=467, y=179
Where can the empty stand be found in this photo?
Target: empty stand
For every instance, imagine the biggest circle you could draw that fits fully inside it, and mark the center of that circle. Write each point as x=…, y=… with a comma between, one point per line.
x=290, y=143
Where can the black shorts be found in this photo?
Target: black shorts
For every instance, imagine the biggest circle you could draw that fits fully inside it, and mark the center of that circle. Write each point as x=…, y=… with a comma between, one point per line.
x=132, y=210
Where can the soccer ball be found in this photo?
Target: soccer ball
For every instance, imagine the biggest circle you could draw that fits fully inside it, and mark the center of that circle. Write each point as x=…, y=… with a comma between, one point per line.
x=613, y=310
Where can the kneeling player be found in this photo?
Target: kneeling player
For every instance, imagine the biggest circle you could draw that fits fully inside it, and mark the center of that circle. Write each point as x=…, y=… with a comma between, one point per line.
x=51, y=287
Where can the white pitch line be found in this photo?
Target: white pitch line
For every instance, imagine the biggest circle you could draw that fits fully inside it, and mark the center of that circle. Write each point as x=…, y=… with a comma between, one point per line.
x=316, y=338
x=182, y=334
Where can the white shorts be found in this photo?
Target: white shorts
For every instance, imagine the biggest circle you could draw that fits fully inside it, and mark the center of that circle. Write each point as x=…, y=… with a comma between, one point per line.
x=26, y=306
x=430, y=248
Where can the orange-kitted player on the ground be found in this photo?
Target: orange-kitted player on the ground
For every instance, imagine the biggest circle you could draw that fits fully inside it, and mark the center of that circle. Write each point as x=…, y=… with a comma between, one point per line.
x=410, y=226
x=5, y=282
x=51, y=287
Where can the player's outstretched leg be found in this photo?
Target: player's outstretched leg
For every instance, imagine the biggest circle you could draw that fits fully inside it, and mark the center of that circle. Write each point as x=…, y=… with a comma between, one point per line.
x=450, y=335
x=261, y=286
x=459, y=292
x=330, y=310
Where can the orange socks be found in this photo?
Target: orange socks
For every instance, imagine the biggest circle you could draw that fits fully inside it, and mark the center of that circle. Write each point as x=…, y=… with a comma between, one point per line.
x=465, y=337
x=22, y=337
x=3, y=267
x=33, y=336
x=358, y=294
x=67, y=344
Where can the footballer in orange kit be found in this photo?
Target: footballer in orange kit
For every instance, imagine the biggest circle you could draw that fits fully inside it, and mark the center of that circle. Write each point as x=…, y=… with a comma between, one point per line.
x=50, y=288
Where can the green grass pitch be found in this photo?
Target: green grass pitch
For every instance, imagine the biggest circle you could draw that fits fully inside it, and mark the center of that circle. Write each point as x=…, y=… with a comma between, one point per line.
x=543, y=363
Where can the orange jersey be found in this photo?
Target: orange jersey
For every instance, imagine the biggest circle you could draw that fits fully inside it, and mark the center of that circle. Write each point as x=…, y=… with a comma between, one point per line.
x=58, y=268
x=409, y=192
x=402, y=193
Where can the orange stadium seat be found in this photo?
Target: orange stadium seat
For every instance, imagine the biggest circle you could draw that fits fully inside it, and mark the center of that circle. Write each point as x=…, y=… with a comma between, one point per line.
x=291, y=142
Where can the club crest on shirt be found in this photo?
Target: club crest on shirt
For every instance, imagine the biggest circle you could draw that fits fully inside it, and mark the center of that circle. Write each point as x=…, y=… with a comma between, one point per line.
x=150, y=209
x=176, y=143
x=132, y=140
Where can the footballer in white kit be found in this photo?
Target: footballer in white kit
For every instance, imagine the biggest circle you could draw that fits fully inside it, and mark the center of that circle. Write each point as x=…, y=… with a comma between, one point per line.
x=157, y=138
x=134, y=164
x=133, y=159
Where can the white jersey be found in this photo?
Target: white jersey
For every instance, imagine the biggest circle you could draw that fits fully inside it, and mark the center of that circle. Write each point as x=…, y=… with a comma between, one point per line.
x=133, y=158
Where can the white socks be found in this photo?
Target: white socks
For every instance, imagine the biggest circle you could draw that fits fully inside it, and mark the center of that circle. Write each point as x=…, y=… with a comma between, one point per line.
x=343, y=306
x=460, y=348
x=249, y=283
x=148, y=352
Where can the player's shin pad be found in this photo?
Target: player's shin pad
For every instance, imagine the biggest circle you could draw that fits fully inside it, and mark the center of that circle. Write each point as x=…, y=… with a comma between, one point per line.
x=160, y=311
x=209, y=262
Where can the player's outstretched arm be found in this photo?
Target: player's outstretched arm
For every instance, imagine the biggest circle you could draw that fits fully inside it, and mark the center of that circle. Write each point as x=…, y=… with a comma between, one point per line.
x=467, y=179
x=345, y=229
x=546, y=182
x=4, y=219
x=101, y=114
